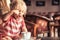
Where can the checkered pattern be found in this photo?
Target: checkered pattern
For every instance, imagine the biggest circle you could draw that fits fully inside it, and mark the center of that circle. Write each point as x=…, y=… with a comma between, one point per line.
x=12, y=26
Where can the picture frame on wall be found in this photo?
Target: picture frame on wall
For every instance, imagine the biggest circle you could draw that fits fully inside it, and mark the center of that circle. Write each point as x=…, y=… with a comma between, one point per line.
x=28, y=2
x=55, y=2
x=40, y=3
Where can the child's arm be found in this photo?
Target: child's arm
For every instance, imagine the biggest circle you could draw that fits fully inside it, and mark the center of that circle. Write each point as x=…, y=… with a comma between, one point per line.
x=7, y=16
x=24, y=29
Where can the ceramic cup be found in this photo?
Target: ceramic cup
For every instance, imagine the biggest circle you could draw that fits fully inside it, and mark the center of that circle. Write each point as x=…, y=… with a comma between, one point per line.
x=26, y=35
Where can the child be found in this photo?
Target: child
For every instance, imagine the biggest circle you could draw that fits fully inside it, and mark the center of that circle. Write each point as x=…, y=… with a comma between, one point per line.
x=13, y=21
x=40, y=26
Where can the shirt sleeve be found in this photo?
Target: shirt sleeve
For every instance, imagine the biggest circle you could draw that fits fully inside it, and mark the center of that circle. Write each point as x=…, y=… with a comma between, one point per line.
x=23, y=22
x=24, y=29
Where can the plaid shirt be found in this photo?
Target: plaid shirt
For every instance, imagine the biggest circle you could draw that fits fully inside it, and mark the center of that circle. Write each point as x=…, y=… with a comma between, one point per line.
x=12, y=26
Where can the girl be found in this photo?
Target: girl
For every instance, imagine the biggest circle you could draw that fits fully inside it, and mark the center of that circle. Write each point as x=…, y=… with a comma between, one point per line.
x=13, y=21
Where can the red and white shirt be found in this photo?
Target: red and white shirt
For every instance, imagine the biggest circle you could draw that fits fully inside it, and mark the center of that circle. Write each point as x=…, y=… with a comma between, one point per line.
x=12, y=26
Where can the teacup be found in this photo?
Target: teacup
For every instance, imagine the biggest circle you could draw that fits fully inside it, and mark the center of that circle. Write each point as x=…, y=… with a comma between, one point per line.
x=26, y=35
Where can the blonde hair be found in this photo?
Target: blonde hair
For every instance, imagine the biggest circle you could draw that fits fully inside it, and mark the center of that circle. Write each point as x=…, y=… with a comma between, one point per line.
x=4, y=6
x=20, y=5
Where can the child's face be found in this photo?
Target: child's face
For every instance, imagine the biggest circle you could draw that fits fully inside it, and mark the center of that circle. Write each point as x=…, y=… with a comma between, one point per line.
x=16, y=13
x=21, y=13
x=16, y=16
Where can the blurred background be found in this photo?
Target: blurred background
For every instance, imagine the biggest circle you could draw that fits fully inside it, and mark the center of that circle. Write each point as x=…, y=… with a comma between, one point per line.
x=46, y=14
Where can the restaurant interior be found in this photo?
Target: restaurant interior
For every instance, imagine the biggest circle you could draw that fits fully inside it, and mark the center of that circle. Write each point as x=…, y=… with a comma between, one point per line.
x=42, y=19
x=46, y=15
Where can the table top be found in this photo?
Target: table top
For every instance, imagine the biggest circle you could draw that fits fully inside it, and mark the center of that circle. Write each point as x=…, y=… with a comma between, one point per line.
x=44, y=38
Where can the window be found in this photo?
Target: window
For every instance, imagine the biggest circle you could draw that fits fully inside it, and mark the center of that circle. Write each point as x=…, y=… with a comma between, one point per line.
x=28, y=2
x=55, y=2
x=40, y=3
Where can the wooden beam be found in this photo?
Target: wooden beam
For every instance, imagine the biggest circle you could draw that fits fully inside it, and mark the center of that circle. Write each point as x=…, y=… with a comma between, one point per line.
x=44, y=17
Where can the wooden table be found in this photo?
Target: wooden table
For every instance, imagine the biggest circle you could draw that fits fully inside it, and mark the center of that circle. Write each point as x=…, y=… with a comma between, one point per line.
x=46, y=38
